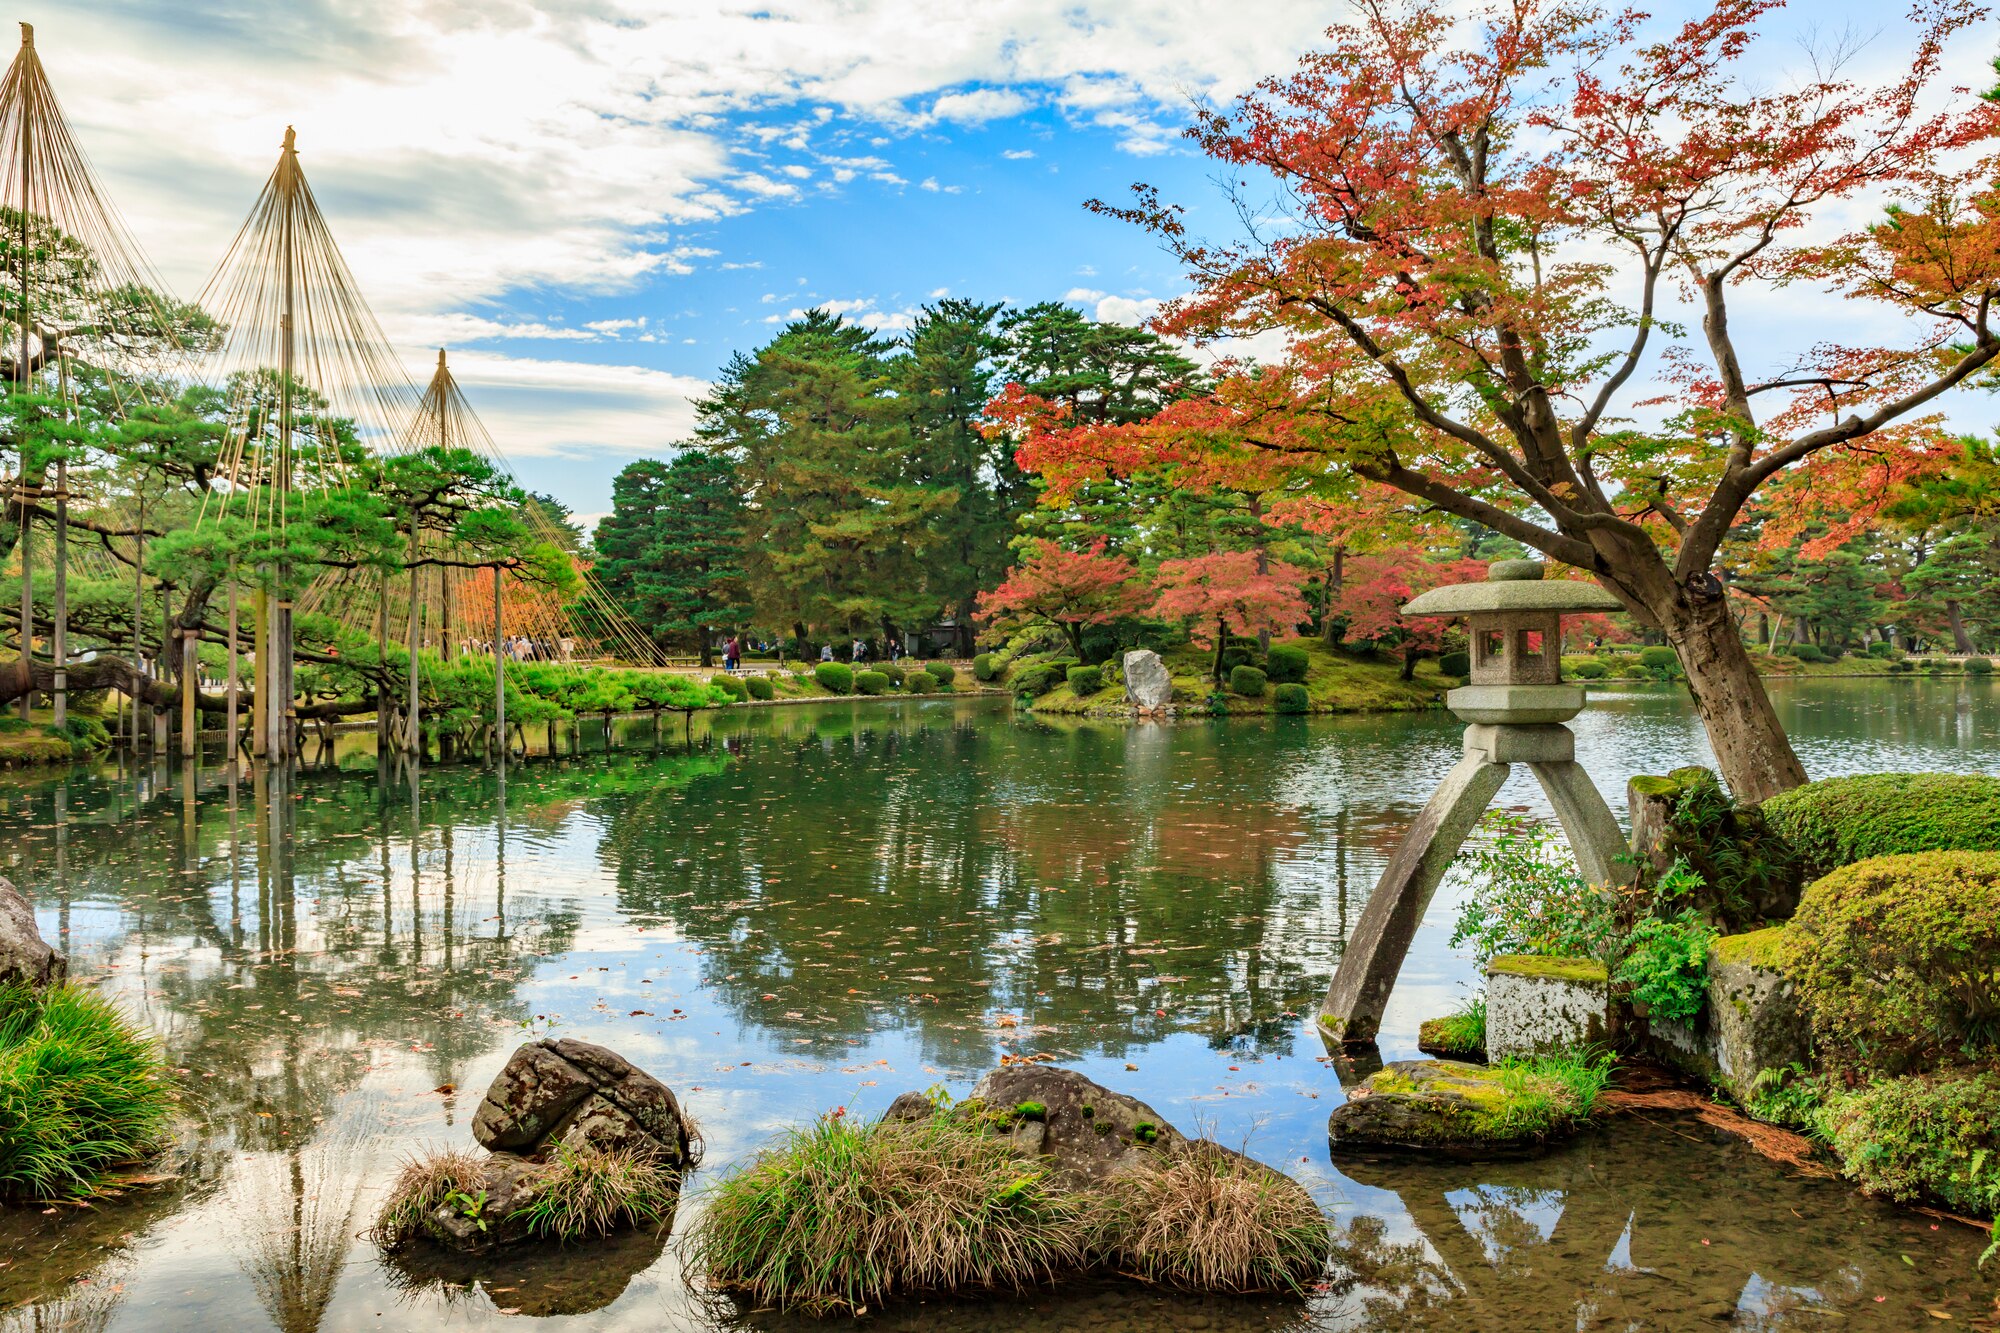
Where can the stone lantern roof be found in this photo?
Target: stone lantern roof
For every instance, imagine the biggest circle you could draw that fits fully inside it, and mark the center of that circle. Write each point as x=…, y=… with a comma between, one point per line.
x=1513, y=585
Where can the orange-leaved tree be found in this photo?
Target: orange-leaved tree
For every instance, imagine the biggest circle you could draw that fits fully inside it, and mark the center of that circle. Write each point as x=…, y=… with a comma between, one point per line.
x=1230, y=592
x=1488, y=224
x=1065, y=589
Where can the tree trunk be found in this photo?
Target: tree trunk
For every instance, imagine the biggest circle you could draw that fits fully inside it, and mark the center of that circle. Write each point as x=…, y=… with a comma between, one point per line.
x=1073, y=631
x=1410, y=656
x=1751, y=749
x=1221, y=643
x=707, y=636
x=1961, y=641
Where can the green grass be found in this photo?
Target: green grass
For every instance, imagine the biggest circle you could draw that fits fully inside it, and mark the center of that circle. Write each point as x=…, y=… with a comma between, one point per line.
x=81, y=1089
x=1546, y=1092
x=840, y=1217
x=1462, y=1032
x=589, y=1191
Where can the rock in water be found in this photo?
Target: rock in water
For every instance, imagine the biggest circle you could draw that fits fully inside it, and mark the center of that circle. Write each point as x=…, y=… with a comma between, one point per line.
x=567, y=1091
x=1092, y=1132
x=1147, y=684
x=24, y=955
x=1443, y=1106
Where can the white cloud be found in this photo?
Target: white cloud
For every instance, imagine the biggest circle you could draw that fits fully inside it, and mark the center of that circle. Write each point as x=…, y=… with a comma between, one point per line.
x=1018, y=154
x=931, y=183
x=536, y=408
x=977, y=106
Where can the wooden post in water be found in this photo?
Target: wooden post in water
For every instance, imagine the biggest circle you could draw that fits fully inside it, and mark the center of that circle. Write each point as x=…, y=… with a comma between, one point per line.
x=190, y=692
x=21, y=378
x=138, y=617
x=260, y=687
x=413, y=733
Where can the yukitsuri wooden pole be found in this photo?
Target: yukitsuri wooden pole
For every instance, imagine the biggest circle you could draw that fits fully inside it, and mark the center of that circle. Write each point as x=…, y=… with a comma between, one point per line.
x=138, y=618
x=21, y=382
x=233, y=672
x=499, y=673
x=382, y=650
x=59, y=638
x=413, y=732
x=260, y=689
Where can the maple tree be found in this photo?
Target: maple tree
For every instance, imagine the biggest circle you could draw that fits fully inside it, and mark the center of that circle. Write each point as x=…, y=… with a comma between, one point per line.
x=1370, y=602
x=1229, y=593
x=1488, y=221
x=1065, y=589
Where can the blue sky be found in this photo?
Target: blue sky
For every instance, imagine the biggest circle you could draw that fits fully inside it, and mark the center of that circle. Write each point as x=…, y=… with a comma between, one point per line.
x=594, y=203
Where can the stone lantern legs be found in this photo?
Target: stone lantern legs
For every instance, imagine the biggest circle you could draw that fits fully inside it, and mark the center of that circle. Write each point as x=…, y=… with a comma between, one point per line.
x=1360, y=991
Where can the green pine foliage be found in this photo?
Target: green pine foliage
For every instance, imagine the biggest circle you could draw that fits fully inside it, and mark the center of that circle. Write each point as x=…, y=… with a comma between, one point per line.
x=670, y=551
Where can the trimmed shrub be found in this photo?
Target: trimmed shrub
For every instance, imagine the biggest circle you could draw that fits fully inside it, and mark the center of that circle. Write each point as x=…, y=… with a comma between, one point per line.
x=1590, y=669
x=843, y=1216
x=1085, y=681
x=1291, y=698
x=760, y=687
x=735, y=686
x=1659, y=659
x=894, y=672
x=943, y=671
x=1036, y=680
x=871, y=682
x=1933, y=1137
x=1247, y=681
x=835, y=676
x=1239, y=652
x=1900, y=668
x=1881, y=649
x=941, y=680
x=984, y=667
x=1893, y=960
x=1287, y=664
x=81, y=1089
x=1978, y=666
x=1808, y=652
x=1455, y=664
x=1838, y=821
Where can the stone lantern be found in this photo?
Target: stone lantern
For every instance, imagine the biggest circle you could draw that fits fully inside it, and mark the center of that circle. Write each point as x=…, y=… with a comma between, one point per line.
x=1514, y=708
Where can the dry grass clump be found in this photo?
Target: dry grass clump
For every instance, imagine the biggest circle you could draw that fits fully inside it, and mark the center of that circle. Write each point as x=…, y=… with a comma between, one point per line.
x=842, y=1216
x=1213, y=1222
x=424, y=1185
x=589, y=1191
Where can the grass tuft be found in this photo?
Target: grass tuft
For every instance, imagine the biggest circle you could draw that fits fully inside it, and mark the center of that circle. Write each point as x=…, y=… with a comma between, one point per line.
x=1461, y=1032
x=81, y=1089
x=590, y=1191
x=1209, y=1221
x=1548, y=1092
x=842, y=1216
x=420, y=1189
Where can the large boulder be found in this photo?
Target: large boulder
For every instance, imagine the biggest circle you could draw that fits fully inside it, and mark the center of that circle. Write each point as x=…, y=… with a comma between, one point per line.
x=1752, y=1021
x=24, y=955
x=1091, y=1132
x=1443, y=1106
x=561, y=1090
x=1147, y=683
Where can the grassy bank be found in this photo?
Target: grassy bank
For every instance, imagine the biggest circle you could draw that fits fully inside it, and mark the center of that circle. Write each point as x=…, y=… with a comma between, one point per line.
x=24, y=744
x=1336, y=681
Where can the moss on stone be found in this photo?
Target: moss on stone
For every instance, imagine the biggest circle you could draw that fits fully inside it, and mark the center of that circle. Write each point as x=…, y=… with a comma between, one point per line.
x=1653, y=785
x=1578, y=971
x=1754, y=948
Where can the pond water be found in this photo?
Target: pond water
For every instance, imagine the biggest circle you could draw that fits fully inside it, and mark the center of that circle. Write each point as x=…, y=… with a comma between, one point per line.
x=805, y=908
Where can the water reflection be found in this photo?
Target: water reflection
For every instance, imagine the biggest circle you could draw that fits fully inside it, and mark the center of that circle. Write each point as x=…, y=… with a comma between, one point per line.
x=804, y=908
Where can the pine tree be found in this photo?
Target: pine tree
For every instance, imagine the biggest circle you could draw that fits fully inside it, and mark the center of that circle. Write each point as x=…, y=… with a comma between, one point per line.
x=671, y=550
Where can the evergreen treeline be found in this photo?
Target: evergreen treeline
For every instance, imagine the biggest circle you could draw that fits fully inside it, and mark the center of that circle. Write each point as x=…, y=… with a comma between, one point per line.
x=843, y=485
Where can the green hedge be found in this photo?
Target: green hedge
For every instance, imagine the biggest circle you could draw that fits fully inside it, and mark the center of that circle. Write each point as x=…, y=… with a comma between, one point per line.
x=894, y=672
x=1590, y=669
x=1978, y=666
x=1247, y=681
x=1839, y=821
x=1037, y=680
x=984, y=667
x=1287, y=664
x=760, y=687
x=1808, y=652
x=1085, y=680
x=1455, y=664
x=1894, y=960
x=735, y=685
x=1291, y=698
x=943, y=671
x=941, y=682
x=835, y=676
x=1926, y=1137
x=871, y=682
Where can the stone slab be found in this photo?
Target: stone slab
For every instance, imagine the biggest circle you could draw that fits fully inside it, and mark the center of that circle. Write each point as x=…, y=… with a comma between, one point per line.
x=1545, y=1006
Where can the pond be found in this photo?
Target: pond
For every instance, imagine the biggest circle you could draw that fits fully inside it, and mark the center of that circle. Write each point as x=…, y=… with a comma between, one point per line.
x=805, y=908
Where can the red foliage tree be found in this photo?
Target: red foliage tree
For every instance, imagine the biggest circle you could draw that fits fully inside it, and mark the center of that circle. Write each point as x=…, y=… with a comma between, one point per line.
x=1370, y=602
x=1492, y=218
x=1065, y=589
x=1230, y=592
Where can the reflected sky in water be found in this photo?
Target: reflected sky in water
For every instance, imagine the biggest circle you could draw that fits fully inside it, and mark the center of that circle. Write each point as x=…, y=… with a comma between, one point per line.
x=809, y=908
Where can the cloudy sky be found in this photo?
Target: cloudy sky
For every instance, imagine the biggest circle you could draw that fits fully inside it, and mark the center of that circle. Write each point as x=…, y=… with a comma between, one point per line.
x=594, y=203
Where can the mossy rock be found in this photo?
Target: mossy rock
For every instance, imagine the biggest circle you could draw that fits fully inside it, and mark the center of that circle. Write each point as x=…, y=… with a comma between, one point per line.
x=1838, y=821
x=1754, y=948
x=1453, y=1108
